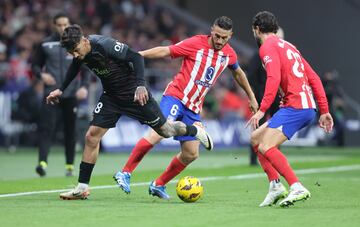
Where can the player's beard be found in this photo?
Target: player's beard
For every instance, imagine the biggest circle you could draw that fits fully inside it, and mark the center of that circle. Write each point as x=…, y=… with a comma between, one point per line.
x=214, y=45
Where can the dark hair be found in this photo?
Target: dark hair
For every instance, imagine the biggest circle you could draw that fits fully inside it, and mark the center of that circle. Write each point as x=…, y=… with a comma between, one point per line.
x=266, y=22
x=71, y=37
x=60, y=15
x=224, y=22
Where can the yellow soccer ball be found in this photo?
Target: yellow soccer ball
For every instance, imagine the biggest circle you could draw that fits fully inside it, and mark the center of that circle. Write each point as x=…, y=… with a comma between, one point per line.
x=189, y=189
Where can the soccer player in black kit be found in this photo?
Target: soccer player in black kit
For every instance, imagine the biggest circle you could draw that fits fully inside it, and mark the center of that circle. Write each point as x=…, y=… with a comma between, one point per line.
x=121, y=71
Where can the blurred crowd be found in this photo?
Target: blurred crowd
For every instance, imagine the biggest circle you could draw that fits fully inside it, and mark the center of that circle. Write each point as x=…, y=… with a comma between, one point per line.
x=141, y=24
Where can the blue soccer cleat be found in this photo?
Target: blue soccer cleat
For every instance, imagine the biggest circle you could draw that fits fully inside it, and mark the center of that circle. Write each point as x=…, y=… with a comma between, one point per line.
x=123, y=181
x=159, y=191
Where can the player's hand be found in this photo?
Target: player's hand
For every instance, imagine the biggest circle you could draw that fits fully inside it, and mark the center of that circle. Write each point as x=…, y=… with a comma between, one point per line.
x=254, y=120
x=81, y=93
x=48, y=79
x=53, y=97
x=326, y=122
x=141, y=95
x=254, y=106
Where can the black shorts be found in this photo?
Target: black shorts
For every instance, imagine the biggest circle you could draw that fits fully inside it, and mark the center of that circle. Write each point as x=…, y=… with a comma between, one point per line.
x=109, y=109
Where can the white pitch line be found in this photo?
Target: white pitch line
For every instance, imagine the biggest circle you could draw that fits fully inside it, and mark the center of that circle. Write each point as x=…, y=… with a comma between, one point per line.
x=237, y=177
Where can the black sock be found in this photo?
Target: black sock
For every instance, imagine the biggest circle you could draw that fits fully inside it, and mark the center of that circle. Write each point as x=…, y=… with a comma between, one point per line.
x=85, y=172
x=191, y=130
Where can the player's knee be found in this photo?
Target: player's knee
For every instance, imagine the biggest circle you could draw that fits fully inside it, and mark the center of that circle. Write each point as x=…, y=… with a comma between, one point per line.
x=254, y=139
x=189, y=156
x=91, y=140
x=263, y=147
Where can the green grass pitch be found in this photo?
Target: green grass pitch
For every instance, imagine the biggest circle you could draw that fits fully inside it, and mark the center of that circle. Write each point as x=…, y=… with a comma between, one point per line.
x=233, y=191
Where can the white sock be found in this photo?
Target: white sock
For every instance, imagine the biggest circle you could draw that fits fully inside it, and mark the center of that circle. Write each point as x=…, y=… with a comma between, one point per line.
x=83, y=186
x=275, y=183
x=296, y=186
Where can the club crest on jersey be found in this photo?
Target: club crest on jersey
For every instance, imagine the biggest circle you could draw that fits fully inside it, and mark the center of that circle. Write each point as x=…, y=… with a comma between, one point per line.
x=223, y=60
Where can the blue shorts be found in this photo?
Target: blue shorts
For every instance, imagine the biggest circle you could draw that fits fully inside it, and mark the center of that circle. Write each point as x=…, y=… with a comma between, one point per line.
x=174, y=110
x=290, y=120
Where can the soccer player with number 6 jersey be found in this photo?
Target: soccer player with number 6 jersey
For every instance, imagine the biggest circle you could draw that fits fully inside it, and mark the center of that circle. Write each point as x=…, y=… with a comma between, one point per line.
x=205, y=57
x=290, y=73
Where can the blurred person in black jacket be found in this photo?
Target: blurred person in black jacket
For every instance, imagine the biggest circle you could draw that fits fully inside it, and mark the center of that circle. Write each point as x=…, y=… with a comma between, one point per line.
x=50, y=64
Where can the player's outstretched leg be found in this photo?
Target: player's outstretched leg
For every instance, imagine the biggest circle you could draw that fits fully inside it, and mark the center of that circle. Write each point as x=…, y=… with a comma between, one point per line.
x=276, y=192
x=123, y=181
x=297, y=193
x=81, y=191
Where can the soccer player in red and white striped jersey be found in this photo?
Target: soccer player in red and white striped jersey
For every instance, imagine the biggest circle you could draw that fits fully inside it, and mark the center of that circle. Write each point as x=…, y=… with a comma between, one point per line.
x=290, y=73
x=205, y=57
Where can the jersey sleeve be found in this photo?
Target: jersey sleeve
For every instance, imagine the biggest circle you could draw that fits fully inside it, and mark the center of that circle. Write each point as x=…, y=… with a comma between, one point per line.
x=316, y=87
x=182, y=48
x=271, y=61
x=115, y=49
x=233, y=61
x=120, y=51
x=71, y=73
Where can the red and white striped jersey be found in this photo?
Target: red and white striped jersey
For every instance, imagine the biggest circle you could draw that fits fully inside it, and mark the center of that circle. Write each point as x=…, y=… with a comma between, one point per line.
x=201, y=66
x=285, y=67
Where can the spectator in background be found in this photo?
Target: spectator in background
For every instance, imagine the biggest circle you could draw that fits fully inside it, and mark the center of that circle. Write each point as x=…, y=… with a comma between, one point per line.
x=29, y=103
x=257, y=79
x=50, y=64
x=336, y=103
x=4, y=65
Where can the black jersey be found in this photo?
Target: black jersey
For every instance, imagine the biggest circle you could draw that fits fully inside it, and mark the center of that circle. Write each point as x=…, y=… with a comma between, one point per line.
x=119, y=68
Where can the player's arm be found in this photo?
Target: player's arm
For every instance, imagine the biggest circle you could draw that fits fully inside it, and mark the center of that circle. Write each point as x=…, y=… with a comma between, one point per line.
x=156, y=52
x=325, y=121
x=271, y=61
x=241, y=79
x=120, y=51
x=73, y=70
x=82, y=92
x=317, y=88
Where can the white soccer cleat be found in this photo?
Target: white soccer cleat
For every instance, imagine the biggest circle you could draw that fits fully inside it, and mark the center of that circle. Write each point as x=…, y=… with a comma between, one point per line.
x=79, y=192
x=276, y=192
x=295, y=195
x=204, y=138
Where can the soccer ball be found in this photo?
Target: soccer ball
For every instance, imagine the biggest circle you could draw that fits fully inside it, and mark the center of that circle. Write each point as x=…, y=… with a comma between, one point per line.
x=189, y=189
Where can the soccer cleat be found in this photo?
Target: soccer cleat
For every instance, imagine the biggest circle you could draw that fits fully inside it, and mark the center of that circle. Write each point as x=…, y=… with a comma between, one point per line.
x=41, y=169
x=204, y=138
x=123, y=181
x=276, y=192
x=295, y=195
x=76, y=193
x=159, y=191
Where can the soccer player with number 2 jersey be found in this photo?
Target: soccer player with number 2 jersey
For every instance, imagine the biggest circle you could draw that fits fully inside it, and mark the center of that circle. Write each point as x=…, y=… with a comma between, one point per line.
x=290, y=73
x=205, y=57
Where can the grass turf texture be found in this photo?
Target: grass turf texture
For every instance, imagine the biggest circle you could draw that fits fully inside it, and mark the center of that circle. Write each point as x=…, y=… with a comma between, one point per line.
x=335, y=196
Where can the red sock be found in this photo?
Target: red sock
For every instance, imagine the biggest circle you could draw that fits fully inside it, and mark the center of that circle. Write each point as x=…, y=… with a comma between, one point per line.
x=139, y=151
x=270, y=171
x=171, y=171
x=280, y=163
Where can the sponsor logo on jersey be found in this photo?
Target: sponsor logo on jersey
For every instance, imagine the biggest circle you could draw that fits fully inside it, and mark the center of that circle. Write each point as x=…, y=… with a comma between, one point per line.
x=203, y=83
x=266, y=60
x=101, y=72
